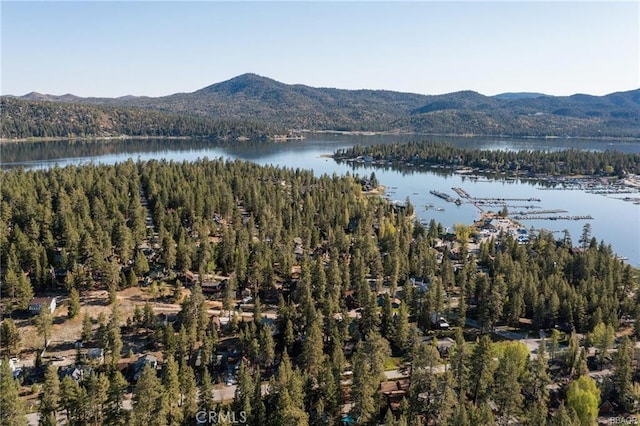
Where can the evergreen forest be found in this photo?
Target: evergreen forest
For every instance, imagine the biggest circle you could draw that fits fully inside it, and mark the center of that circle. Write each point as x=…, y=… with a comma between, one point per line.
x=524, y=162
x=352, y=280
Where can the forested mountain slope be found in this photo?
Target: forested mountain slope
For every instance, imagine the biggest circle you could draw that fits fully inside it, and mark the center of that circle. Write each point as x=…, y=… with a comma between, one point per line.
x=255, y=98
x=24, y=119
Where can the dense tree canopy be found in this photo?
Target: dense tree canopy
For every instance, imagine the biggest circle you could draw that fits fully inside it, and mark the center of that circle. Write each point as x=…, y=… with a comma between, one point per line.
x=329, y=253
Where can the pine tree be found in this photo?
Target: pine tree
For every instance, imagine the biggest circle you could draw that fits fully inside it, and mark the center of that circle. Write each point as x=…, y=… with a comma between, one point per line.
x=12, y=407
x=115, y=396
x=44, y=322
x=267, y=347
x=289, y=408
x=87, y=327
x=368, y=368
x=460, y=416
x=244, y=391
x=69, y=391
x=148, y=400
x=114, y=343
x=50, y=396
x=189, y=392
x=171, y=384
x=74, y=303
x=206, y=391
x=288, y=335
x=24, y=291
x=312, y=349
x=9, y=336
x=622, y=372
x=258, y=409
x=387, y=317
x=565, y=417
x=97, y=386
x=459, y=364
x=141, y=265
x=401, y=328
x=481, y=369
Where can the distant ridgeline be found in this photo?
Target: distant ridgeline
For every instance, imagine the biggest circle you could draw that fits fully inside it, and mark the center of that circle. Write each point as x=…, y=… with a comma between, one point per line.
x=29, y=119
x=566, y=162
x=254, y=98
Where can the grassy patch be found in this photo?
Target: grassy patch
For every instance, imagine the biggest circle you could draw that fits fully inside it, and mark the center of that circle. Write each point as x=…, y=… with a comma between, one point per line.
x=393, y=363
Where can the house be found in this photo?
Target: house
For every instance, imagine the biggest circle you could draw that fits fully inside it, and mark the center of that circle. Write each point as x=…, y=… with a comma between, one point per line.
x=37, y=303
x=190, y=278
x=272, y=295
x=96, y=354
x=350, y=300
x=212, y=287
x=75, y=373
x=141, y=363
x=271, y=324
x=492, y=224
x=394, y=393
x=12, y=363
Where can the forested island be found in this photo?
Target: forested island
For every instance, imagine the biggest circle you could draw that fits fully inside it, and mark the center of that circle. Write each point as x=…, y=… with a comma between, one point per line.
x=525, y=163
x=282, y=298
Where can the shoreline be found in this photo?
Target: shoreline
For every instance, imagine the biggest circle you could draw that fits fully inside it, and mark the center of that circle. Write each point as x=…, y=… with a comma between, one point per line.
x=280, y=138
x=468, y=135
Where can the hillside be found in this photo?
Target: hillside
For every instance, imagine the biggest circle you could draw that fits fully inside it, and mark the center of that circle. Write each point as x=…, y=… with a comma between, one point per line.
x=252, y=97
x=31, y=118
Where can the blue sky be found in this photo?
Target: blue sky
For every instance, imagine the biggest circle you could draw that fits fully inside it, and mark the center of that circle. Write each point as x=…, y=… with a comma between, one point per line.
x=159, y=48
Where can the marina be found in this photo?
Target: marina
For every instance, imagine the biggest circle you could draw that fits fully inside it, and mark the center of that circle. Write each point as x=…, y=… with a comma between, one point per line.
x=533, y=213
x=400, y=184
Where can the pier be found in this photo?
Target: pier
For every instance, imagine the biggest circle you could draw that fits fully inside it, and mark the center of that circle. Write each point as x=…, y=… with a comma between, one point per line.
x=539, y=212
x=482, y=200
x=532, y=217
x=461, y=192
x=446, y=197
x=529, y=212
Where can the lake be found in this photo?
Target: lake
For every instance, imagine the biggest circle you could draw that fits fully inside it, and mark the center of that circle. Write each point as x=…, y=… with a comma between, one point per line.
x=615, y=221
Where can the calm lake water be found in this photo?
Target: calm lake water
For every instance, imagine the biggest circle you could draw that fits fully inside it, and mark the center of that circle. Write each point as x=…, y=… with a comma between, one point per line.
x=615, y=221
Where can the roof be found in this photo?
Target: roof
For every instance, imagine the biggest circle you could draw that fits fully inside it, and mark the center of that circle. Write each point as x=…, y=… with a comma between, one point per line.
x=148, y=358
x=42, y=300
x=95, y=352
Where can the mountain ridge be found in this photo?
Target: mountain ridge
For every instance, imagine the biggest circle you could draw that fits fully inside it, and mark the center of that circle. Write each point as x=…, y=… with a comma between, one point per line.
x=251, y=97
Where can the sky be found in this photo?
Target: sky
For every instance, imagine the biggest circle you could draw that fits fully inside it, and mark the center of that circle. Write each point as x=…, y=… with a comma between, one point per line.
x=157, y=48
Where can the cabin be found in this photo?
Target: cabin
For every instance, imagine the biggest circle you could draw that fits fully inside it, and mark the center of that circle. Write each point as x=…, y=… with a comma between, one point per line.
x=38, y=303
x=141, y=363
x=350, y=300
x=190, y=278
x=212, y=287
x=272, y=295
x=96, y=354
x=76, y=374
x=394, y=393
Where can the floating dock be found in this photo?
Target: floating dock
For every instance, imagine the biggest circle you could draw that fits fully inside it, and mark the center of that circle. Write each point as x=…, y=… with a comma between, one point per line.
x=539, y=212
x=532, y=217
x=446, y=197
x=482, y=200
x=461, y=192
